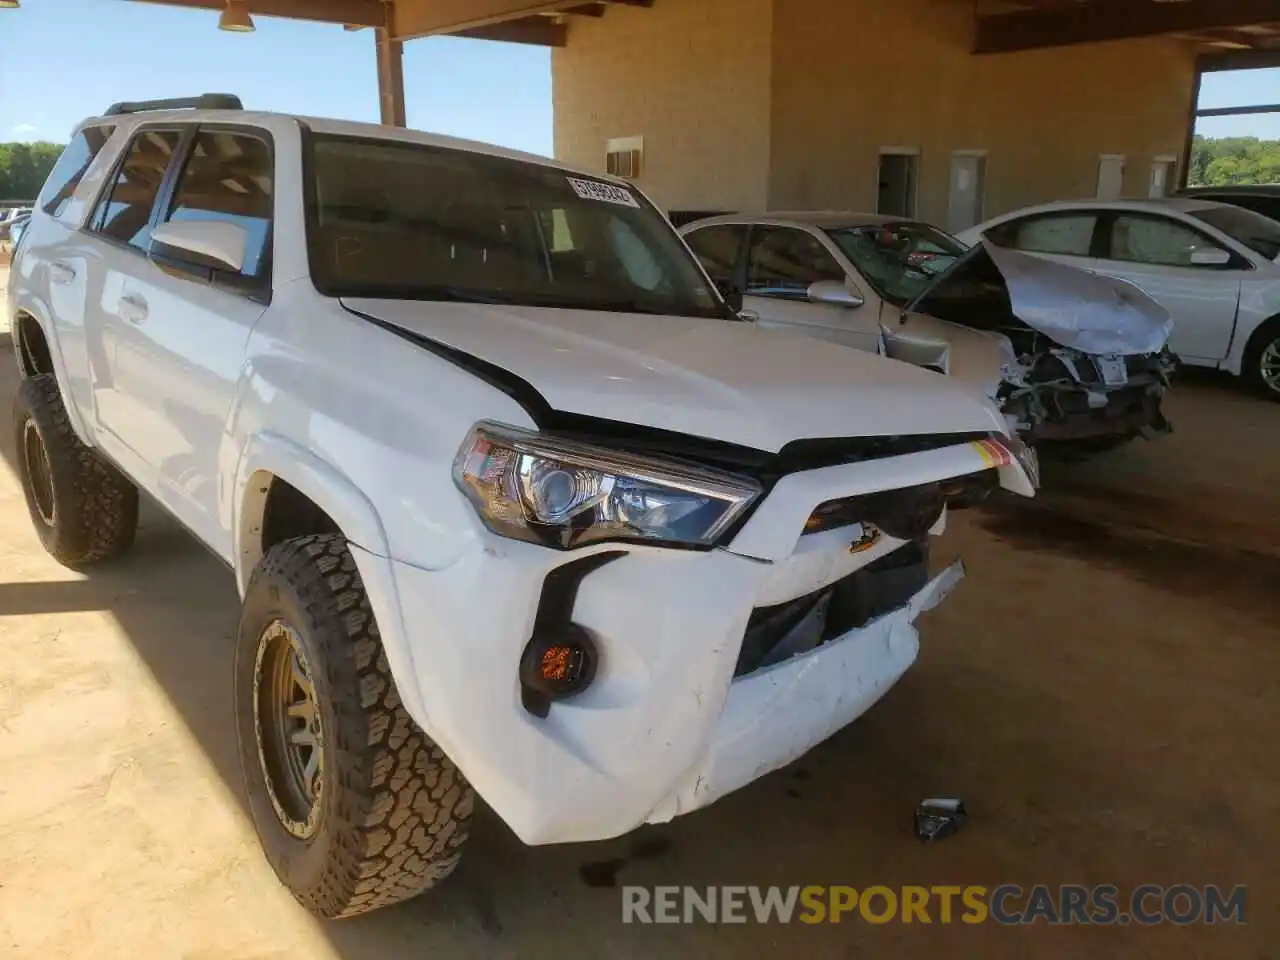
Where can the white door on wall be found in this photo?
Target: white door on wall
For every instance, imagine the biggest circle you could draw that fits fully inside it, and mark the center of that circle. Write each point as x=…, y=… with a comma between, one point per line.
x=968, y=183
x=899, y=175
x=1110, y=177
x=1161, y=177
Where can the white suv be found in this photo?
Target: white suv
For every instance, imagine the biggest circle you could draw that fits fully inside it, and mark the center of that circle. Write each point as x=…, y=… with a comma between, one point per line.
x=513, y=500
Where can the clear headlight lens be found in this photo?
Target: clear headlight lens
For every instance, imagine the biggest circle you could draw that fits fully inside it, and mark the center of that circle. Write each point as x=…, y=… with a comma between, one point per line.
x=565, y=494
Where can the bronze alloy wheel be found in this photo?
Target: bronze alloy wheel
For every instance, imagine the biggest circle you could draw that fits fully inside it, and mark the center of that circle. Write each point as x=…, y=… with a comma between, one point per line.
x=36, y=460
x=289, y=732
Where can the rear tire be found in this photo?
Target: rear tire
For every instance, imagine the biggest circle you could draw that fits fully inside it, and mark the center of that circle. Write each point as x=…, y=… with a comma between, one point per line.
x=354, y=806
x=84, y=510
x=1262, y=360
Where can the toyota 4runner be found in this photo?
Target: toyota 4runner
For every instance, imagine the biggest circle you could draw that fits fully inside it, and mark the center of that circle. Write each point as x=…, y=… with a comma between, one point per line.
x=514, y=501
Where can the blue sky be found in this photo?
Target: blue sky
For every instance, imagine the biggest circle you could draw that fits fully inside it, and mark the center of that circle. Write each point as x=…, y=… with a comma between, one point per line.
x=63, y=60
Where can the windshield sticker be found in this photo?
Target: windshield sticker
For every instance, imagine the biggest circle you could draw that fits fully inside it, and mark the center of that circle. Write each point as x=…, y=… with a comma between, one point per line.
x=604, y=192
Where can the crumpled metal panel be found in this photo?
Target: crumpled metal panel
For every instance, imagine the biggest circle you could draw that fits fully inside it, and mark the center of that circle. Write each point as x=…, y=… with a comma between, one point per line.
x=1081, y=309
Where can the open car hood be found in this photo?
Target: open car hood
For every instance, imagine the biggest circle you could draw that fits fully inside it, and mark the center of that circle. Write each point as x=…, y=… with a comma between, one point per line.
x=1075, y=308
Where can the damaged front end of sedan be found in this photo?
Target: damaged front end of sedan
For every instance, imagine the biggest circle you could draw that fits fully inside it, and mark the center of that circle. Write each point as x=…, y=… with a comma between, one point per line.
x=1083, y=360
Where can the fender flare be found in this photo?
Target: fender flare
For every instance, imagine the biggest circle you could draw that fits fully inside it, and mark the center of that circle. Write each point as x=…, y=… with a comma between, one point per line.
x=38, y=311
x=326, y=485
x=357, y=518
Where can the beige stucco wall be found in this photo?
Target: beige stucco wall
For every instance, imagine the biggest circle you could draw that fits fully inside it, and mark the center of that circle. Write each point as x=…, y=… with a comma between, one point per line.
x=745, y=104
x=852, y=76
x=692, y=78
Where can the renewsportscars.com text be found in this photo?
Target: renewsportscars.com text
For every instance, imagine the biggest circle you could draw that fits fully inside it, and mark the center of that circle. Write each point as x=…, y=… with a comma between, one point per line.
x=1008, y=904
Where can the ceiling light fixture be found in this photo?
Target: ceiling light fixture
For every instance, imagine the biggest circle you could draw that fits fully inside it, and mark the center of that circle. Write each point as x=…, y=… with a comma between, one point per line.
x=235, y=18
x=10, y=4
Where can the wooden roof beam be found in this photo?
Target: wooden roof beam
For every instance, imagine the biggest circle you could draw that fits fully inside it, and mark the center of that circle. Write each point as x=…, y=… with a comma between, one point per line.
x=1094, y=21
x=362, y=13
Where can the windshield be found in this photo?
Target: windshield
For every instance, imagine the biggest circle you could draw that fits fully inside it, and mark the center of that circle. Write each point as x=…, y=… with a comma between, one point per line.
x=1260, y=234
x=901, y=260
x=409, y=221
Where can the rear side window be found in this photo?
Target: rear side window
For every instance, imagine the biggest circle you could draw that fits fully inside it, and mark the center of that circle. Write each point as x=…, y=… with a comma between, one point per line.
x=717, y=248
x=229, y=177
x=70, y=168
x=124, y=213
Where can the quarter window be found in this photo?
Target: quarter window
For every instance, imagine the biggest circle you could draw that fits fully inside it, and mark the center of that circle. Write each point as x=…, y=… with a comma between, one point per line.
x=73, y=163
x=229, y=178
x=785, y=261
x=125, y=211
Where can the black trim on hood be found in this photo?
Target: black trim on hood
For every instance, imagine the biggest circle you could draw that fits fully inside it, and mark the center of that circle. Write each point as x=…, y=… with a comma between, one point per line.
x=761, y=465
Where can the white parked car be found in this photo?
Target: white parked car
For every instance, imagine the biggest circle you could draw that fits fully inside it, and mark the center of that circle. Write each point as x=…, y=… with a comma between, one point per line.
x=1212, y=265
x=513, y=500
x=1073, y=361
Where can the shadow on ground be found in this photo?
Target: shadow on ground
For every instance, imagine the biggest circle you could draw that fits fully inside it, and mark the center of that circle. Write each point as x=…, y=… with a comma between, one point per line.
x=1068, y=692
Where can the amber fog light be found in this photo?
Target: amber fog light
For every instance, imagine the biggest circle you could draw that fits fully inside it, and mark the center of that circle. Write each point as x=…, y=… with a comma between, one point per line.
x=555, y=667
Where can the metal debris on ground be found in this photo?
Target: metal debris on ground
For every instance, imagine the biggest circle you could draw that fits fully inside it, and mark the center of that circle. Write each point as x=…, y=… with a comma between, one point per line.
x=939, y=817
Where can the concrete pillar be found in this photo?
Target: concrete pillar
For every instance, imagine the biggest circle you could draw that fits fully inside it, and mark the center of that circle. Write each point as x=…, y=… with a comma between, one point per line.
x=390, y=76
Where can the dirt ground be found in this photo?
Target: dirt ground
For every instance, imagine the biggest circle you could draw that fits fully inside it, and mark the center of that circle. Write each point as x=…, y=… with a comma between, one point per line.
x=1101, y=691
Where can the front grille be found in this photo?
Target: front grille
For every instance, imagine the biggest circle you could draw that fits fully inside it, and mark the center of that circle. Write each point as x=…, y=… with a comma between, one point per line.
x=905, y=514
x=785, y=630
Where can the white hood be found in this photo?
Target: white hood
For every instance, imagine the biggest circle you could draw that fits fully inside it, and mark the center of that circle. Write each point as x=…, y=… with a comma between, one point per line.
x=701, y=377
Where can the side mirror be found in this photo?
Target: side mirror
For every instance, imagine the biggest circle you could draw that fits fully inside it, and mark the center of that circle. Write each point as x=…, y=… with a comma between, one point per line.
x=732, y=296
x=206, y=243
x=834, y=294
x=1210, y=258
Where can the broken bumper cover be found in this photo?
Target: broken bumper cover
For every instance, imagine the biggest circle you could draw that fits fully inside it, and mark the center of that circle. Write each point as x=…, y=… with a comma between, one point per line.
x=779, y=713
x=1077, y=405
x=667, y=724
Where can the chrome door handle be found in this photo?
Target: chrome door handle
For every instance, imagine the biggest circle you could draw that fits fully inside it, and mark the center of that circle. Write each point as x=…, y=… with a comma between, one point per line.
x=133, y=308
x=61, y=272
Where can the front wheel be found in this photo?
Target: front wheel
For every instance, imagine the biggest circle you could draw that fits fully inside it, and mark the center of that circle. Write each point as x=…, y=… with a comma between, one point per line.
x=355, y=808
x=1262, y=361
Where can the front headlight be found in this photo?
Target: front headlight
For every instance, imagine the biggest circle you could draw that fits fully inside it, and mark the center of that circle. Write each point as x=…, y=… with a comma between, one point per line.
x=564, y=494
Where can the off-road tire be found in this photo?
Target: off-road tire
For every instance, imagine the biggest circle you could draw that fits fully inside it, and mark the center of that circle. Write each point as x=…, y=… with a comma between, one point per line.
x=393, y=810
x=94, y=506
x=1265, y=336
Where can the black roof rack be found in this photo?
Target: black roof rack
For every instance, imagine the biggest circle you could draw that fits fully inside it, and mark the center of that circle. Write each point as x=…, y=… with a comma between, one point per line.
x=206, y=101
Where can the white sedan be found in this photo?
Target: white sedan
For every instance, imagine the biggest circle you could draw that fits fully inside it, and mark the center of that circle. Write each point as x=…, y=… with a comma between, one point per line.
x=1212, y=266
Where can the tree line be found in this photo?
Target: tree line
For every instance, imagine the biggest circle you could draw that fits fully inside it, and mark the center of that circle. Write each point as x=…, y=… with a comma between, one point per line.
x=1214, y=162
x=1223, y=161
x=23, y=168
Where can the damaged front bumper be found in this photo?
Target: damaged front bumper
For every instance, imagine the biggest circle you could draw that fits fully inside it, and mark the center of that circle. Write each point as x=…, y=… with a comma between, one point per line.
x=1064, y=395
x=679, y=712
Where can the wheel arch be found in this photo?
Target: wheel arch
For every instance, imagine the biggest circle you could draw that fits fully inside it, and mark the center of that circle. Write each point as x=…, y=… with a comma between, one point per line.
x=271, y=465
x=37, y=352
x=273, y=473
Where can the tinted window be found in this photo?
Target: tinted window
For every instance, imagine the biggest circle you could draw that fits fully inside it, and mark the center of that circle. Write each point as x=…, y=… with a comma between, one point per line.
x=70, y=169
x=783, y=262
x=1260, y=234
x=390, y=219
x=229, y=177
x=717, y=248
x=1267, y=206
x=1064, y=234
x=900, y=260
x=1155, y=240
x=125, y=210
